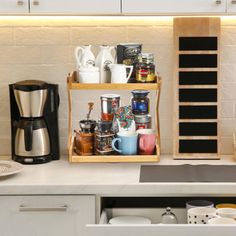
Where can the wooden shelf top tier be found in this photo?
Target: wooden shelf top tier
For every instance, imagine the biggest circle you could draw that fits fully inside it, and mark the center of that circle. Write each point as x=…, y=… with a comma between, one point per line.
x=129, y=86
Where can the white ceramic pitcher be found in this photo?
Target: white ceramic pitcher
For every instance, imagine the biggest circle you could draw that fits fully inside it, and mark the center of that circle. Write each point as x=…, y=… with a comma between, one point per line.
x=103, y=59
x=84, y=56
x=119, y=73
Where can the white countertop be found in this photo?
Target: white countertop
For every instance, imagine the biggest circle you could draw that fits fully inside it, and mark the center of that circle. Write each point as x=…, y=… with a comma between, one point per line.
x=119, y=179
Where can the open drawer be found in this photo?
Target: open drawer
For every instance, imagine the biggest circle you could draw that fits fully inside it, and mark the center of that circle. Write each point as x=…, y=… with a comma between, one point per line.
x=103, y=228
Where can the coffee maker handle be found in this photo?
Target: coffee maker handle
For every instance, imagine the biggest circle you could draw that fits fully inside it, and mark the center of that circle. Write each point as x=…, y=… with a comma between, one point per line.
x=28, y=131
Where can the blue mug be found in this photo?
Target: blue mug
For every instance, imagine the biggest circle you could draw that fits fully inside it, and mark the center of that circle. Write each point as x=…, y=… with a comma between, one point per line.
x=127, y=143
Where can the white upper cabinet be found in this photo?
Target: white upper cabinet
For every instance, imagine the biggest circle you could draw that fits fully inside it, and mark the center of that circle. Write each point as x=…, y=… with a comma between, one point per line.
x=231, y=6
x=173, y=6
x=14, y=6
x=78, y=7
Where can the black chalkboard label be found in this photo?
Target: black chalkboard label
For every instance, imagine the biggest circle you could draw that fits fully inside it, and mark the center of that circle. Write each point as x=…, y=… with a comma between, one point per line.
x=197, y=43
x=197, y=146
x=198, y=78
x=198, y=129
x=198, y=61
x=197, y=112
x=198, y=95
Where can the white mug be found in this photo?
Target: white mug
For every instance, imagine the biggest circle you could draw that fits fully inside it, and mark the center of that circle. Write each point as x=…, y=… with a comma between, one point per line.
x=119, y=73
x=226, y=212
x=221, y=221
x=201, y=215
x=88, y=75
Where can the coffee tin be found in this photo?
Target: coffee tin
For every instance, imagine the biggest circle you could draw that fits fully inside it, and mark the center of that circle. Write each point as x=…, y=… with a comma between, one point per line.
x=143, y=121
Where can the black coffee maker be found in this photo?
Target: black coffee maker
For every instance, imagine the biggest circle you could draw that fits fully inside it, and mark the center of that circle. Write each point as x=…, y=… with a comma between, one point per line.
x=34, y=121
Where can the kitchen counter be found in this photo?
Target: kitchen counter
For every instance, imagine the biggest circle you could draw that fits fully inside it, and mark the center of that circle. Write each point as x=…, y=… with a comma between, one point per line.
x=119, y=179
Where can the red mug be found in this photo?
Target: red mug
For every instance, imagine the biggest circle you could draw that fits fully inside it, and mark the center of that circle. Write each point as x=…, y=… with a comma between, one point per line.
x=146, y=141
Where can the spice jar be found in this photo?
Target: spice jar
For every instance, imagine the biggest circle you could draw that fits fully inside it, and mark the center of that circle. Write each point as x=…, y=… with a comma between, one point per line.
x=142, y=121
x=103, y=138
x=140, y=102
x=145, y=68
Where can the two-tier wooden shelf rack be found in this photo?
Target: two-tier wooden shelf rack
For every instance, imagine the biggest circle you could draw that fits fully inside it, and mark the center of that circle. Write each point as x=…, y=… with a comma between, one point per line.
x=72, y=84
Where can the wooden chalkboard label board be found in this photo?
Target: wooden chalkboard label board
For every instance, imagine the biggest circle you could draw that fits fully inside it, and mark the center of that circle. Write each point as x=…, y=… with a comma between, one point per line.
x=196, y=43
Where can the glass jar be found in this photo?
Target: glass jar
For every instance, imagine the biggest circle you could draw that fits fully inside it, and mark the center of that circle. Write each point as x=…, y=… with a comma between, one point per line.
x=140, y=102
x=145, y=68
x=168, y=217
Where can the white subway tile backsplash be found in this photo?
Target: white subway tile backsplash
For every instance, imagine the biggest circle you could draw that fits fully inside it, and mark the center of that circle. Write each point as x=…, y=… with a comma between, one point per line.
x=45, y=51
x=42, y=36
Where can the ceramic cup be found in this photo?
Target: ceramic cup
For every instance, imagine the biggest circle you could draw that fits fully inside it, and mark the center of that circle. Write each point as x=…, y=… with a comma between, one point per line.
x=201, y=215
x=226, y=212
x=221, y=221
x=199, y=203
x=88, y=75
x=127, y=143
x=119, y=73
x=146, y=141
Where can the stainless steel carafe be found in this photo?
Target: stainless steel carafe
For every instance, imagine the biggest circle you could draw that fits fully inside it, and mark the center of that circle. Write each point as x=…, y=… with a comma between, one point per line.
x=31, y=138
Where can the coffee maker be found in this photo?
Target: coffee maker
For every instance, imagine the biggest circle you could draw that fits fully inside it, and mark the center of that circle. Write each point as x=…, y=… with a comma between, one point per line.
x=34, y=121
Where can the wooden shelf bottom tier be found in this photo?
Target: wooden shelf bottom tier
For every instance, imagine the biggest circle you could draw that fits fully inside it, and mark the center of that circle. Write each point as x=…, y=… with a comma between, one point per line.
x=73, y=157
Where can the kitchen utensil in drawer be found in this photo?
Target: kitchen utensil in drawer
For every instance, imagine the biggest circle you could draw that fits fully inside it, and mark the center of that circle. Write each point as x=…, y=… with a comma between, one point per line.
x=168, y=217
x=226, y=205
x=226, y=212
x=121, y=220
x=201, y=215
x=221, y=221
x=199, y=203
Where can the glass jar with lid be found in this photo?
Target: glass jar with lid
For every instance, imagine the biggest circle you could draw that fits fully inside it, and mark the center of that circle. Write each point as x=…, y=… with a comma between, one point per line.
x=145, y=68
x=168, y=217
x=140, y=102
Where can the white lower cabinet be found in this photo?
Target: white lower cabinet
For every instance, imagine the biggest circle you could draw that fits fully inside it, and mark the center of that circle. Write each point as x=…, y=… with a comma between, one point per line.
x=46, y=215
x=155, y=229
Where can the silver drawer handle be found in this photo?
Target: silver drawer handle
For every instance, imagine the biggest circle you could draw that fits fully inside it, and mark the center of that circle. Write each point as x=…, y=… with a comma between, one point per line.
x=36, y=3
x=23, y=208
x=20, y=3
x=218, y=2
x=233, y=1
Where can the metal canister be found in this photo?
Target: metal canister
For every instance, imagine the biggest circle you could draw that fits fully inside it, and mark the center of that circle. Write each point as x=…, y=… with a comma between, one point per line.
x=143, y=121
x=109, y=105
x=103, y=138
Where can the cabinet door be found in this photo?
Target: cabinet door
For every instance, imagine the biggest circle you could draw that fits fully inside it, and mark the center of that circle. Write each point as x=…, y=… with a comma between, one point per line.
x=14, y=6
x=75, y=6
x=46, y=215
x=173, y=6
x=231, y=6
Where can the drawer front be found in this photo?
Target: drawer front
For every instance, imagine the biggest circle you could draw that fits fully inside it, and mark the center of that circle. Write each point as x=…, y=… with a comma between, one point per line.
x=160, y=230
x=46, y=215
x=104, y=229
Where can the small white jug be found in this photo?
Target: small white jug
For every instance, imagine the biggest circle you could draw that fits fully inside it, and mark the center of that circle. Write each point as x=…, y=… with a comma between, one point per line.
x=119, y=73
x=84, y=56
x=103, y=59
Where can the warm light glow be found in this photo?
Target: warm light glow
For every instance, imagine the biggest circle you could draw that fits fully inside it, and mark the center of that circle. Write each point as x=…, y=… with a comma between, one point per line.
x=84, y=20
